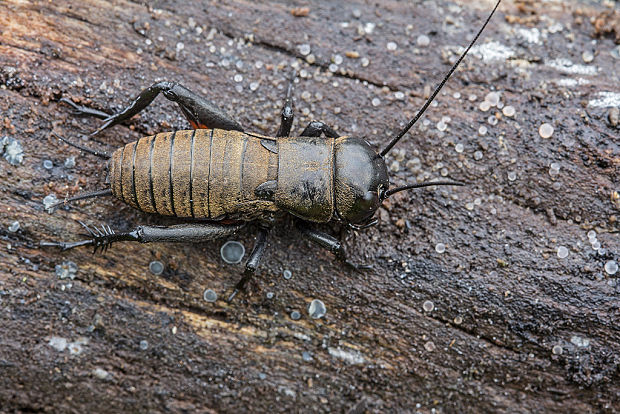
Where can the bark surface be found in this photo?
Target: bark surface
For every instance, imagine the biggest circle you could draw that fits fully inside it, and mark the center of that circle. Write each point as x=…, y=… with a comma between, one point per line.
x=495, y=322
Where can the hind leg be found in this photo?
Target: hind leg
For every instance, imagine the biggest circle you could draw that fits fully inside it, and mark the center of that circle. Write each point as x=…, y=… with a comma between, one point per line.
x=200, y=112
x=103, y=237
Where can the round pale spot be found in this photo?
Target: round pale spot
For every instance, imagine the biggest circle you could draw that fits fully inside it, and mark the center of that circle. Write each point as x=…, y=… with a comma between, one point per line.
x=232, y=252
x=562, y=252
x=545, y=130
x=209, y=295
x=156, y=267
x=611, y=267
x=440, y=247
x=509, y=111
x=423, y=41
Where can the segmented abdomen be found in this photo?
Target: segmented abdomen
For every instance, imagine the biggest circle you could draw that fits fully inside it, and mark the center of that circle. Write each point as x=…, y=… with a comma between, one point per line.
x=199, y=173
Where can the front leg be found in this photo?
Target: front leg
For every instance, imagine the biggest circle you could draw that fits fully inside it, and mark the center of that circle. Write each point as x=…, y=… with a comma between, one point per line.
x=330, y=243
x=103, y=237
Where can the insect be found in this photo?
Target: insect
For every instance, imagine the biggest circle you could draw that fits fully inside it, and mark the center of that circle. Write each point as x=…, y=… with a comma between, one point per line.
x=219, y=177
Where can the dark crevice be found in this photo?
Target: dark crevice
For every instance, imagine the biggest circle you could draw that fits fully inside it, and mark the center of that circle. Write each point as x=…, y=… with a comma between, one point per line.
x=323, y=65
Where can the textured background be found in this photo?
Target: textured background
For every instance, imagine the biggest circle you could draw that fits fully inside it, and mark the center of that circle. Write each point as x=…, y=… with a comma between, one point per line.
x=501, y=297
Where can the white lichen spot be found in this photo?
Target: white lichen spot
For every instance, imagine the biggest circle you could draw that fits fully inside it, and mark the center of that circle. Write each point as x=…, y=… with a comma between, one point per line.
x=580, y=341
x=530, y=35
x=101, y=373
x=49, y=201
x=606, y=99
x=317, y=309
x=349, y=356
x=58, y=343
x=567, y=66
x=13, y=151
x=493, y=51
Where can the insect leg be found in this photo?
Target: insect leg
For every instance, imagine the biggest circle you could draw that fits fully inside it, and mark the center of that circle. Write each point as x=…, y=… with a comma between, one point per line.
x=287, y=112
x=79, y=110
x=104, y=236
x=200, y=112
x=253, y=261
x=329, y=242
x=315, y=128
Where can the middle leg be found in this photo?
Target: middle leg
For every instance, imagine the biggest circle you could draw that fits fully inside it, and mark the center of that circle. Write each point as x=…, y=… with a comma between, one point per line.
x=329, y=242
x=252, y=264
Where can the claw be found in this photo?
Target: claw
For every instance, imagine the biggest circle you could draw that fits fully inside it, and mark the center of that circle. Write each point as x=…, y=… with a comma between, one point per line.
x=232, y=296
x=65, y=245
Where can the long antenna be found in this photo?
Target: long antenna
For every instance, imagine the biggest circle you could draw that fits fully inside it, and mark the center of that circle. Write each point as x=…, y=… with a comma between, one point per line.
x=437, y=89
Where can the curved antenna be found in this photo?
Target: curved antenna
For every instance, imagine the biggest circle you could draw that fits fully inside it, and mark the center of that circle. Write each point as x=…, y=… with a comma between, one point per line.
x=437, y=89
x=388, y=193
x=98, y=193
x=100, y=154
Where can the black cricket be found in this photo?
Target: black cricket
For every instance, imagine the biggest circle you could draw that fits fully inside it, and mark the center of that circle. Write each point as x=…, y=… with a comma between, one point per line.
x=330, y=179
